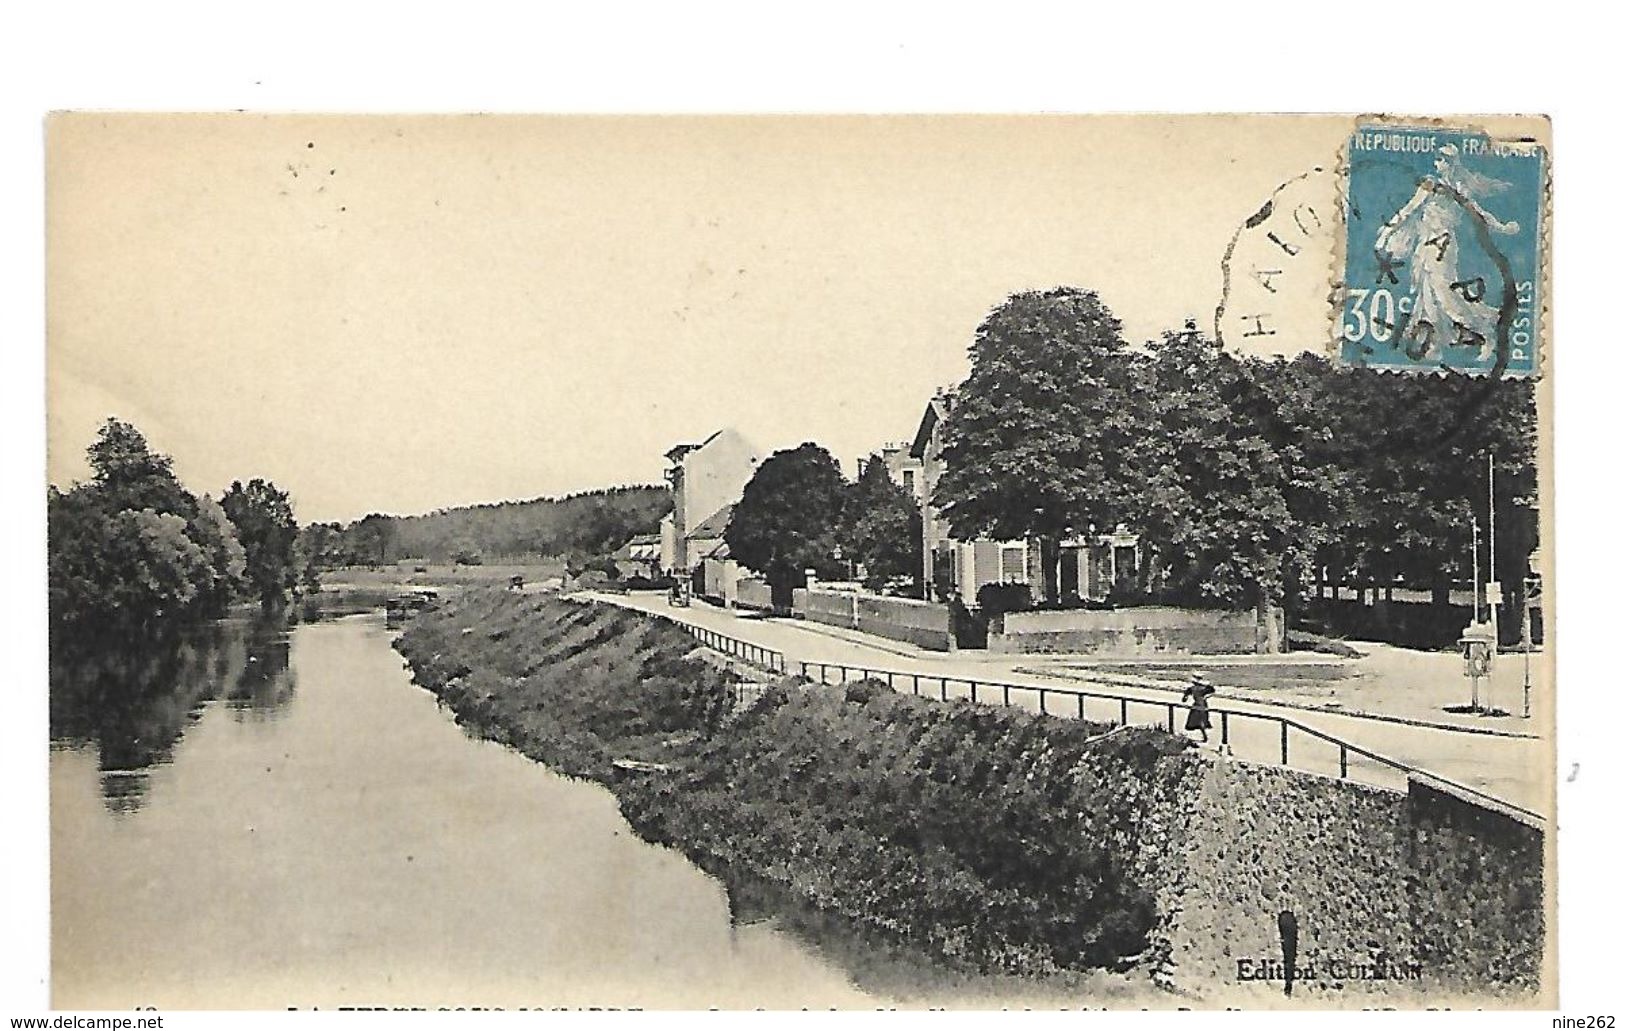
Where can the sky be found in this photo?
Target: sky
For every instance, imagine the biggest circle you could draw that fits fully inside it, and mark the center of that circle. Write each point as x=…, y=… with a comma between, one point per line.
x=398, y=314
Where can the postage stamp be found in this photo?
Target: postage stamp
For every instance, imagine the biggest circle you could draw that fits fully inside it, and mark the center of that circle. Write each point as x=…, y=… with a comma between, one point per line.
x=1442, y=263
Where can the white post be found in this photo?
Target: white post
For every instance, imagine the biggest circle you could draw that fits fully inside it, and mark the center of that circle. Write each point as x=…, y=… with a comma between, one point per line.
x=1495, y=614
x=1475, y=568
x=1526, y=631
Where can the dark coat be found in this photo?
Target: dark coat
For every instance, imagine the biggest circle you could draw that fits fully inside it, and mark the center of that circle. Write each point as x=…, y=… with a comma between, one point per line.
x=1198, y=716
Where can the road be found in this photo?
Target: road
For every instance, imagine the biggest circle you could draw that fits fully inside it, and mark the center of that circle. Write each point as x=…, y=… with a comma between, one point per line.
x=1519, y=770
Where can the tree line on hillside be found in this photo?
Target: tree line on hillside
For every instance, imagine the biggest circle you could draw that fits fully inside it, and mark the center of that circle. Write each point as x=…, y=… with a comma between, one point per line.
x=590, y=523
x=132, y=549
x=1247, y=481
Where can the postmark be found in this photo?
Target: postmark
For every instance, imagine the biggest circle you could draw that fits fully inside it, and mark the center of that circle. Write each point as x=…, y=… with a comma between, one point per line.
x=1275, y=286
x=1441, y=263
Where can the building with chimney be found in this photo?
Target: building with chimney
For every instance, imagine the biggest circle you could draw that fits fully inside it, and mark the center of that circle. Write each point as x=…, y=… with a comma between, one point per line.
x=706, y=478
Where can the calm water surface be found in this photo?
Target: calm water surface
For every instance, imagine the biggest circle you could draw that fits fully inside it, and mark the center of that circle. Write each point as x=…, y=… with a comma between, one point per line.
x=281, y=819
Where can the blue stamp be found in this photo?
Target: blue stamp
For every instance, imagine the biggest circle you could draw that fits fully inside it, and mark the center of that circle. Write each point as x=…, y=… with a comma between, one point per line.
x=1442, y=267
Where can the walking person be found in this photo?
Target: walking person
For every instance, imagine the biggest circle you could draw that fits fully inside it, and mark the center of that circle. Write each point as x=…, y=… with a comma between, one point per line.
x=1199, y=690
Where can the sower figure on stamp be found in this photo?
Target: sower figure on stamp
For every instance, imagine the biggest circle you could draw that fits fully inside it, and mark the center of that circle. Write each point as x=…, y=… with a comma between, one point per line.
x=1199, y=690
x=1426, y=236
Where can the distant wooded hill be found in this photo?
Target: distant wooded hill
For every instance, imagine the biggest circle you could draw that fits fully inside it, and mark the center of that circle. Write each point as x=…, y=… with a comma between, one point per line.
x=592, y=523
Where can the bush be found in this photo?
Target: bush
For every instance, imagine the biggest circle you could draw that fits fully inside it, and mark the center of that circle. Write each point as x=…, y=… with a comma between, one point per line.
x=861, y=692
x=603, y=565
x=639, y=582
x=997, y=599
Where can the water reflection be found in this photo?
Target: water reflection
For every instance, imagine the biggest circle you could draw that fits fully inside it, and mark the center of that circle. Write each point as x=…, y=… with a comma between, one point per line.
x=132, y=707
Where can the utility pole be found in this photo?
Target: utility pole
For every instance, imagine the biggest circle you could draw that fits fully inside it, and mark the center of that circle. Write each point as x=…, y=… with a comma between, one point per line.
x=1475, y=567
x=1491, y=593
x=1526, y=633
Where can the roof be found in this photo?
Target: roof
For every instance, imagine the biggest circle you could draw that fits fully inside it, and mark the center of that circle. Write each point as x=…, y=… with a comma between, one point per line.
x=721, y=551
x=643, y=546
x=716, y=525
x=935, y=411
x=677, y=452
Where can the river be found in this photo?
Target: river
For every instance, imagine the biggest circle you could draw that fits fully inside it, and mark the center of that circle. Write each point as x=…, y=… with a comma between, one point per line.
x=280, y=819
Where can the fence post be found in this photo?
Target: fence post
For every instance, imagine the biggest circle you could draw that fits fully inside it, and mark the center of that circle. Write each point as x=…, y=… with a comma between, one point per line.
x=888, y=681
x=1080, y=706
x=1043, y=702
x=1122, y=705
x=1170, y=717
x=1224, y=728
x=916, y=683
x=973, y=690
x=1343, y=760
x=944, y=687
x=1283, y=742
x=1006, y=695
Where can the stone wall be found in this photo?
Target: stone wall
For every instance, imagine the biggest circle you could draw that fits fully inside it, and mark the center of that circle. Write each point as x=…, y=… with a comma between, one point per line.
x=1476, y=879
x=1392, y=893
x=1142, y=631
x=921, y=623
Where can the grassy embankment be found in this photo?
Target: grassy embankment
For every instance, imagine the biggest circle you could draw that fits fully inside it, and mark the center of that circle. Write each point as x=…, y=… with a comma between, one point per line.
x=992, y=838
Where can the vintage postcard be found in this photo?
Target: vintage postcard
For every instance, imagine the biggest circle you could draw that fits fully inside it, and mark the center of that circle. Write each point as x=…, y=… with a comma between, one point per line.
x=778, y=562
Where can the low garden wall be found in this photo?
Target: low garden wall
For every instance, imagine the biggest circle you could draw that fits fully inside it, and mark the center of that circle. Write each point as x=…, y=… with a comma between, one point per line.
x=752, y=592
x=1133, y=632
x=920, y=623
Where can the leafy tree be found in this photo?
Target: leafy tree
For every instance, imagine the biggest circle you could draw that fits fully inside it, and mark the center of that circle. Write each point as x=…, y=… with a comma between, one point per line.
x=789, y=517
x=133, y=547
x=1042, y=437
x=129, y=474
x=1215, y=512
x=883, y=527
x=78, y=530
x=265, y=525
x=318, y=546
x=373, y=539
x=214, y=532
x=160, y=568
x=120, y=571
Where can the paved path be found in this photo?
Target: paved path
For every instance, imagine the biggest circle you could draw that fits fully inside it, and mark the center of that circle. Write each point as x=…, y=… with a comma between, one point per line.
x=1517, y=770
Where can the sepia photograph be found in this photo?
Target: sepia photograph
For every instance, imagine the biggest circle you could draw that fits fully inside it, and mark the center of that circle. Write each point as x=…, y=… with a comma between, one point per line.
x=800, y=561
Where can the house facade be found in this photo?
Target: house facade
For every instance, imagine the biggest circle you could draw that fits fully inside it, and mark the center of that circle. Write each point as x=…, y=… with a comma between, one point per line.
x=639, y=556
x=904, y=469
x=706, y=478
x=1091, y=564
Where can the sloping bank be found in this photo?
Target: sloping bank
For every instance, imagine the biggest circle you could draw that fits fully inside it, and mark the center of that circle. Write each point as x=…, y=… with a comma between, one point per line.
x=992, y=838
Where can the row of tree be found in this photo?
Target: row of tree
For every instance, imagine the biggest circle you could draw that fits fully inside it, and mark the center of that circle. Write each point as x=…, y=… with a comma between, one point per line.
x=586, y=524
x=132, y=548
x=1247, y=481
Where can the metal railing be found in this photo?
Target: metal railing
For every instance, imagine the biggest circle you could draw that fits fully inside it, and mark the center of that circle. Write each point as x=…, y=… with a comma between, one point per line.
x=1352, y=762
x=763, y=658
